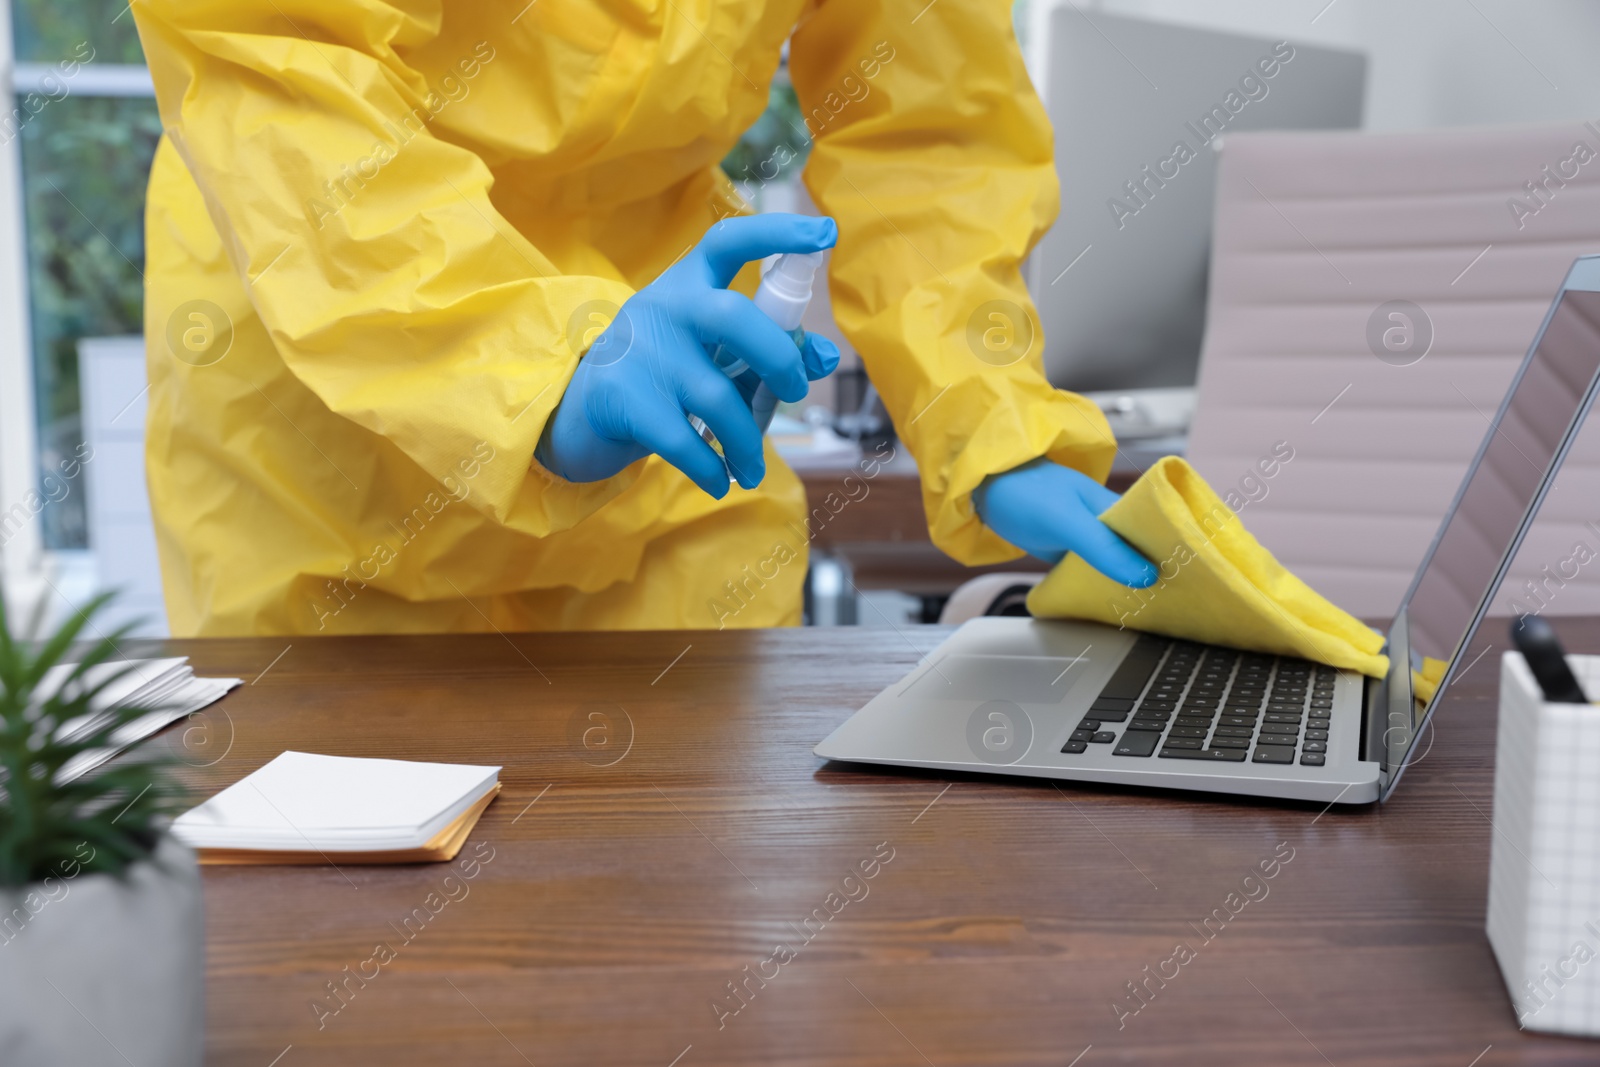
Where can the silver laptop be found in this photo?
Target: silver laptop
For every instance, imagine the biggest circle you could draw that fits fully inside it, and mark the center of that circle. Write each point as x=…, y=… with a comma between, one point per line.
x=1088, y=702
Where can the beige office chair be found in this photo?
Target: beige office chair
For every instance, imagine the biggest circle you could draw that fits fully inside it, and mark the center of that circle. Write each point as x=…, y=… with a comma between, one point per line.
x=1316, y=234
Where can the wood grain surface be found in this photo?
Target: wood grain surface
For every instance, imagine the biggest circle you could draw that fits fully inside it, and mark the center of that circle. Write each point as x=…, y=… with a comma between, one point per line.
x=665, y=826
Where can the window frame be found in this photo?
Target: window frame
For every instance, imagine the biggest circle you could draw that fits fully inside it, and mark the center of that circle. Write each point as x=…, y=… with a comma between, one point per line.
x=21, y=553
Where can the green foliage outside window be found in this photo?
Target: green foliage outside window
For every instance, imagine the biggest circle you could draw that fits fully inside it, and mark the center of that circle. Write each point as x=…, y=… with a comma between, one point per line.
x=775, y=148
x=85, y=164
x=47, y=30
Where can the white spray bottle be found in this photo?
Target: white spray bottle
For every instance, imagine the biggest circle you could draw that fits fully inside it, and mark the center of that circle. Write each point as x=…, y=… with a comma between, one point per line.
x=783, y=296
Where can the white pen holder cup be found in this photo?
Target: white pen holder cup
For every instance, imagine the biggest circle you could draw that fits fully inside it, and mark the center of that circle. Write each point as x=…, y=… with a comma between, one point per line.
x=1544, y=862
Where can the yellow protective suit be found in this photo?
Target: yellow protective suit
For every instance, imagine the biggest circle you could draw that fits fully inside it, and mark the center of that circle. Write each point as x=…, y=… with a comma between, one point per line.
x=376, y=233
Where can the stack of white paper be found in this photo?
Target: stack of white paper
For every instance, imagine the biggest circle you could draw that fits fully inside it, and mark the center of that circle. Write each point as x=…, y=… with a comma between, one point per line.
x=337, y=804
x=167, y=686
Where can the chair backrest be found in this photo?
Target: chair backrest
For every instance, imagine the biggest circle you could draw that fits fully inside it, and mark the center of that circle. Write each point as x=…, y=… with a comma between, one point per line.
x=996, y=593
x=1371, y=296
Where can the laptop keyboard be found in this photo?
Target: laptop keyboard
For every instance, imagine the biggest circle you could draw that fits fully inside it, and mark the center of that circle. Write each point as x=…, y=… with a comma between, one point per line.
x=1183, y=700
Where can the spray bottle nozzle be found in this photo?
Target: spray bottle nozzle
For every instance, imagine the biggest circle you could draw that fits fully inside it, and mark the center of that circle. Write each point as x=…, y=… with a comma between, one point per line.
x=785, y=289
x=791, y=274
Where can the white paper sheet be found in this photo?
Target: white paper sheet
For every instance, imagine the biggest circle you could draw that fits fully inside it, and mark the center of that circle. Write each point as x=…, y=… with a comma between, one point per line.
x=303, y=801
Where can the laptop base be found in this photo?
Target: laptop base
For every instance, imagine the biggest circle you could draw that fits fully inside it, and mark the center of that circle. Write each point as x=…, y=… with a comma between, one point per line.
x=1078, y=701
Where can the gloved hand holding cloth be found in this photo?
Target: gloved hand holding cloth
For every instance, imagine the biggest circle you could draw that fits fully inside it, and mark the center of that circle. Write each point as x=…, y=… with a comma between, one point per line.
x=1215, y=583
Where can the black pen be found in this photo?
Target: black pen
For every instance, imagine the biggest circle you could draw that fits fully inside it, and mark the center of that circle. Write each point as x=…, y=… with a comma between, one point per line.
x=1536, y=640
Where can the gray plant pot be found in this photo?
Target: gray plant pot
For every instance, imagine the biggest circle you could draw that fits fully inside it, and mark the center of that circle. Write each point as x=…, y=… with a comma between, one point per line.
x=100, y=970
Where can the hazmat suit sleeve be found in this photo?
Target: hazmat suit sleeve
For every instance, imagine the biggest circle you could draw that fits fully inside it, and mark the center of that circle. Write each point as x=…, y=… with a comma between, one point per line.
x=368, y=243
x=932, y=150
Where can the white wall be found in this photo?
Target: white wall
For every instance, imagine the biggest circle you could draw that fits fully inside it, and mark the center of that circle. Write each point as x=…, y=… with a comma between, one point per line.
x=1432, y=62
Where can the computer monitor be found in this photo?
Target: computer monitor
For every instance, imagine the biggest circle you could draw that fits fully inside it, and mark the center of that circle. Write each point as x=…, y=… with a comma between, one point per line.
x=1138, y=107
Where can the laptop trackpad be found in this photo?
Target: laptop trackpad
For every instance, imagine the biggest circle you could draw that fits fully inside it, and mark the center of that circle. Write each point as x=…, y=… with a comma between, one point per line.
x=1019, y=679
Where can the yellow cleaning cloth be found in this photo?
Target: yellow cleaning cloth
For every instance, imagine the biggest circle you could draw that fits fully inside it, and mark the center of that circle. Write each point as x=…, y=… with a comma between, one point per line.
x=1217, y=584
x=1425, y=683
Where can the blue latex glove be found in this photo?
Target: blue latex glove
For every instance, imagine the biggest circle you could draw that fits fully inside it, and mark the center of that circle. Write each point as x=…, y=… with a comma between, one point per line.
x=1048, y=510
x=635, y=388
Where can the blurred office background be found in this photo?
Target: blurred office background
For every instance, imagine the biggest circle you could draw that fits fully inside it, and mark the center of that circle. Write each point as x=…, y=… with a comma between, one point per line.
x=1122, y=302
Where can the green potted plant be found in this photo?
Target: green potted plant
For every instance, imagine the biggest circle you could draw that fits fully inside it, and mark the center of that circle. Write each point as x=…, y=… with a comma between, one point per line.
x=101, y=928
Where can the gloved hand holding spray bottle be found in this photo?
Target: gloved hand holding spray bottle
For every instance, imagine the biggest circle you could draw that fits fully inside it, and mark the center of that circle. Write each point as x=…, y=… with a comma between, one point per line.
x=637, y=387
x=783, y=296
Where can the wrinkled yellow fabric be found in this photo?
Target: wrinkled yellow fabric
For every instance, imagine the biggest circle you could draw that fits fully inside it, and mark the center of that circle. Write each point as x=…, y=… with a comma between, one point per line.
x=1217, y=584
x=401, y=208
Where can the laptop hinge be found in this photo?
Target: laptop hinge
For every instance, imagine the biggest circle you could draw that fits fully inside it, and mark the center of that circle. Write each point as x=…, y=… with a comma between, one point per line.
x=1390, y=717
x=1374, y=701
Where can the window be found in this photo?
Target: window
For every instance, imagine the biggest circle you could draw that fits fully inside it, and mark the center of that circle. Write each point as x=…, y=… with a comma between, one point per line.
x=85, y=125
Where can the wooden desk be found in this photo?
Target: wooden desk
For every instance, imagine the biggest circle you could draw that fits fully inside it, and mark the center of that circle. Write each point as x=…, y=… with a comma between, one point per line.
x=620, y=900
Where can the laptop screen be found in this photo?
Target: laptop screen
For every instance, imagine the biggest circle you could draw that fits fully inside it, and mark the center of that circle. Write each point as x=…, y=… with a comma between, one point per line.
x=1524, y=441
